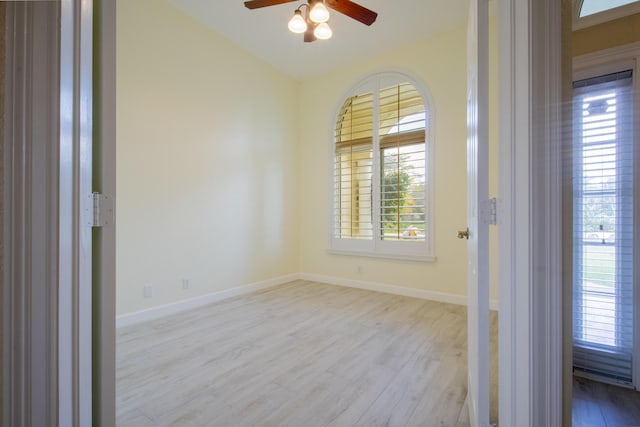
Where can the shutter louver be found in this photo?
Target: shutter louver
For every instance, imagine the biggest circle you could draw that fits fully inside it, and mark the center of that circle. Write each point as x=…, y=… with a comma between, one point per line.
x=603, y=227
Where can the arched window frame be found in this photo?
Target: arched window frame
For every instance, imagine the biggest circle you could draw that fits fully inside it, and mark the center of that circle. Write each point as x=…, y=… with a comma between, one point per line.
x=601, y=17
x=422, y=250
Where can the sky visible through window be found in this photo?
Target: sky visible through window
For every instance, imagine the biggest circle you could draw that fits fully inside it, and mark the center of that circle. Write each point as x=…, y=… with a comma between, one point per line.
x=589, y=7
x=409, y=123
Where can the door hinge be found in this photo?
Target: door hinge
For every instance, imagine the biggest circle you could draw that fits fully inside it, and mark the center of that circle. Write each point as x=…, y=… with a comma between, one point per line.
x=102, y=211
x=489, y=211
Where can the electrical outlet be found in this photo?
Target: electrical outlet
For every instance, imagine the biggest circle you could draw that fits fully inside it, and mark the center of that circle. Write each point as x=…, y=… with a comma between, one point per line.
x=148, y=291
x=186, y=284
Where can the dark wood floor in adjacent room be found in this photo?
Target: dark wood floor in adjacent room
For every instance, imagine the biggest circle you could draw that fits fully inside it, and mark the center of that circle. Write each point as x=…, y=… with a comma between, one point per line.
x=601, y=405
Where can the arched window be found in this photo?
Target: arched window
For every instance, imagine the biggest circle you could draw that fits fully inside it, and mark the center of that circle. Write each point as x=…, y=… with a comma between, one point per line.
x=591, y=7
x=382, y=170
x=593, y=12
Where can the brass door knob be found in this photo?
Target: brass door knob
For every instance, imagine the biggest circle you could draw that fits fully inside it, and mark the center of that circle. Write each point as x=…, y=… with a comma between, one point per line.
x=463, y=234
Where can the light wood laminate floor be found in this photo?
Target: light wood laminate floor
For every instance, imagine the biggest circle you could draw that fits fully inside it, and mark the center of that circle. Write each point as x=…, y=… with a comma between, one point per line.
x=303, y=354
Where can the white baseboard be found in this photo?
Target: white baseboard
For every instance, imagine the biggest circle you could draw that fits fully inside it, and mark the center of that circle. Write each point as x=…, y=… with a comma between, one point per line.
x=393, y=289
x=195, y=302
x=191, y=303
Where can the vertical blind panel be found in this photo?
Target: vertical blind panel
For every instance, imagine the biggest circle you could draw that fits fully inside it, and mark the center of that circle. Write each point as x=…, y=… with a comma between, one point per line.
x=603, y=226
x=353, y=169
x=402, y=157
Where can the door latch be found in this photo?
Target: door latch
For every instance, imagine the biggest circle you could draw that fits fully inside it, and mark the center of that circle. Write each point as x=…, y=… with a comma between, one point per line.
x=463, y=234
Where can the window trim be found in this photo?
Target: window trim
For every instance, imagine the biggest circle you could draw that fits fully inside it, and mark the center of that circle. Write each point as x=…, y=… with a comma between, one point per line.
x=407, y=251
x=580, y=23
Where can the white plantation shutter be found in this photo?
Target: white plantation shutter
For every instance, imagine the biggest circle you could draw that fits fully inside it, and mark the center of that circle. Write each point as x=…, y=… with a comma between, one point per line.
x=603, y=227
x=354, y=169
x=380, y=190
x=402, y=153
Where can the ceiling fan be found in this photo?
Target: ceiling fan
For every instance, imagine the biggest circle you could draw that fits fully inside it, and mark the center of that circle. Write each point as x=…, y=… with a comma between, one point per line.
x=314, y=23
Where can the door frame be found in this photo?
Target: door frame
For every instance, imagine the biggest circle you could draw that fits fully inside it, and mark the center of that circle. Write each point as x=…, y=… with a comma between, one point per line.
x=530, y=323
x=46, y=304
x=533, y=72
x=73, y=154
x=531, y=113
x=530, y=271
x=30, y=238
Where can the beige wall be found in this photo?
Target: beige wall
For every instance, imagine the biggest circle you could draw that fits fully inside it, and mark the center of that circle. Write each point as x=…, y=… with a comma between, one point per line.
x=607, y=35
x=206, y=161
x=440, y=63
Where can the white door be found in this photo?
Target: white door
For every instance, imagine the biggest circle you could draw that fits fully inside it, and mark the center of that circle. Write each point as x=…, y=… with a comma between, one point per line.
x=477, y=215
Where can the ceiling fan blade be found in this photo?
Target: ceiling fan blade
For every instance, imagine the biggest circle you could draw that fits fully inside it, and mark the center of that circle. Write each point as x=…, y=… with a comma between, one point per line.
x=353, y=10
x=255, y=4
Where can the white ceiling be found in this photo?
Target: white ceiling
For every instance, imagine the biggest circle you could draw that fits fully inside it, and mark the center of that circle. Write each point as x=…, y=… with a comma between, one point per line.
x=264, y=33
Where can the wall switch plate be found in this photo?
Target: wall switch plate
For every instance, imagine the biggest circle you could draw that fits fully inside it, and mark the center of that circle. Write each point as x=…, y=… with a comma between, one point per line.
x=185, y=283
x=148, y=291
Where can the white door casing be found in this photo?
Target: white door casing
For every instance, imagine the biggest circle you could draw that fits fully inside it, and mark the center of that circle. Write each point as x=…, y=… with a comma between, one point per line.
x=477, y=214
x=75, y=205
x=30, y=236
x=530, y=213
x=47, y=234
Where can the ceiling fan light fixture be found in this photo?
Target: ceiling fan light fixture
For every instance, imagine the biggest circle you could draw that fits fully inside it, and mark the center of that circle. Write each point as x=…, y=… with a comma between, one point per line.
x=319, y=13
x=297, y=24
x=314, y=22
x=323, y=31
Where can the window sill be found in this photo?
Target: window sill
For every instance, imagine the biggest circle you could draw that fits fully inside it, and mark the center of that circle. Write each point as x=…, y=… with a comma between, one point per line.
x=394, y=256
